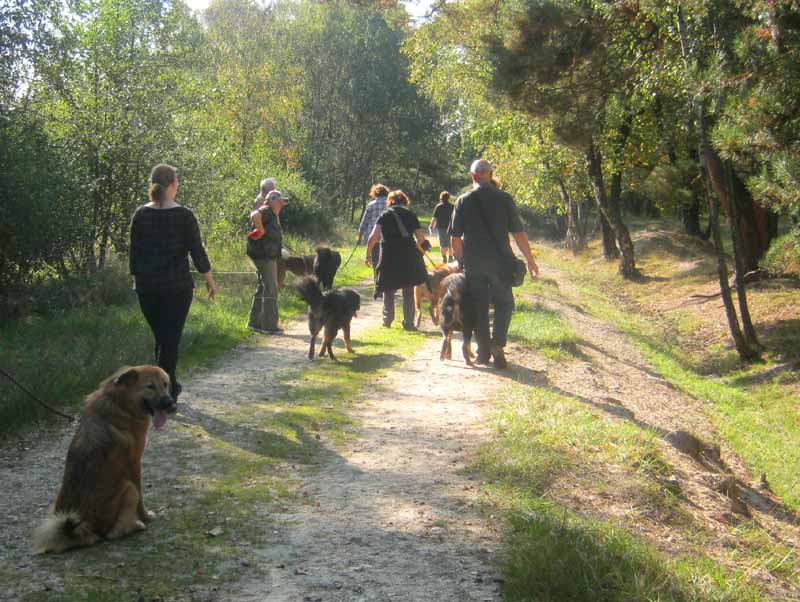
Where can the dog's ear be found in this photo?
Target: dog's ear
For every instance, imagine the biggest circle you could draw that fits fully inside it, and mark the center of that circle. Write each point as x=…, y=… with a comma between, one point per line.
x=128, y=377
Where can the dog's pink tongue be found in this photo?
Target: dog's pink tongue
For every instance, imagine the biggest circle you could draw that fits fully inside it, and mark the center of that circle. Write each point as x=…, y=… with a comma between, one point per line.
x=159, y=418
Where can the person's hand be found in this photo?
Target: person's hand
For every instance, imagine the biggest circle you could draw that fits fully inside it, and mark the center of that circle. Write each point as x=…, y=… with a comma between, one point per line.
x=211, y=287
x=533, y=269
x=368, y=260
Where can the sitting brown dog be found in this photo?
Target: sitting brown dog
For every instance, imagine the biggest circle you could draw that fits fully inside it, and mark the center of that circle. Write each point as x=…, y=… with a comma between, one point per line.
x=101, y=493
x=434, y=293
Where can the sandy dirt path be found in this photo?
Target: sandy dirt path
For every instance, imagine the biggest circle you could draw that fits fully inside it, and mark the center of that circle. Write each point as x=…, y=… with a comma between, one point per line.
x=389, y=517
x=393, y=515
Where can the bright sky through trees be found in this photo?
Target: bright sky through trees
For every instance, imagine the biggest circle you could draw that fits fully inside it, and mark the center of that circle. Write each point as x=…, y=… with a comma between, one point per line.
x=415, y=9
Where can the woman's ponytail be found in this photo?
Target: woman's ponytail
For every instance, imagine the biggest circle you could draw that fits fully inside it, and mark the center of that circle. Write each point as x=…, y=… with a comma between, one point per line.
x=160, y=179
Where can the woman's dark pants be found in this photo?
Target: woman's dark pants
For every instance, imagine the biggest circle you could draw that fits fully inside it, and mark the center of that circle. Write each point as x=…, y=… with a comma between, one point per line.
x=166, y=314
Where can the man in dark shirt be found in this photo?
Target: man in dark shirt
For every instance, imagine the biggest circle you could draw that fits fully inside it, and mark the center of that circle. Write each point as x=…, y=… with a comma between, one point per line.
x=442, y=214
x=482, y=220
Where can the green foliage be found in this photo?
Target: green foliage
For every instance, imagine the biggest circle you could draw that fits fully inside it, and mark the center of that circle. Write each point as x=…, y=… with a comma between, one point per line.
x=783, y=257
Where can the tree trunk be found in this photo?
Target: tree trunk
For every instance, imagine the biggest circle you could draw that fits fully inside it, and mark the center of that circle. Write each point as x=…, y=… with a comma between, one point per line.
x=610, y=250
x=745, y=351
x=741, y=290
x=575, y=240
x=610, y=210
x=714, y=174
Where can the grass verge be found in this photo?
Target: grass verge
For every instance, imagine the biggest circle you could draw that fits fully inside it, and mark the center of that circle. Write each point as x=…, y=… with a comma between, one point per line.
x=62, y=355
x=754, y=407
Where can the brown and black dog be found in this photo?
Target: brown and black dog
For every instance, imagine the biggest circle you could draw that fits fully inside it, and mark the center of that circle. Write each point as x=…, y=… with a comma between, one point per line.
x=323, y=264
x=101, y=493
x=434, y=293
x=457, y=313
x=330, y=310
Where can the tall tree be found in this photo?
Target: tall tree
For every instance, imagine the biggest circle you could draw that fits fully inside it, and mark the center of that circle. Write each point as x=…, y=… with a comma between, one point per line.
x=563, y=61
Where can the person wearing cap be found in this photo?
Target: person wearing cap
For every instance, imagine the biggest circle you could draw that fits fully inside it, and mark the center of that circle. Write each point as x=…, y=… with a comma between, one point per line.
x=264, y=252
x=267, y=186
x=482, y=220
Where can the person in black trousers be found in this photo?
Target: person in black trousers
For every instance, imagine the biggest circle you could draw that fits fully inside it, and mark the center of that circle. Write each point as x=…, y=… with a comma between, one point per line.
x=163, y=235
x=400, y=266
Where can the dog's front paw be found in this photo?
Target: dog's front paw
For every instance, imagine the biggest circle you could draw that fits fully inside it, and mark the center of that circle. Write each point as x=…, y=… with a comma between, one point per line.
x=139, y=526
x=149, y=516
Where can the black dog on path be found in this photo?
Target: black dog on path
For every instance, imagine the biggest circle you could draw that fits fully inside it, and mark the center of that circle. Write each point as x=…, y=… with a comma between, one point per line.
x=330, y=310
x=324, y=265
x=456, y=313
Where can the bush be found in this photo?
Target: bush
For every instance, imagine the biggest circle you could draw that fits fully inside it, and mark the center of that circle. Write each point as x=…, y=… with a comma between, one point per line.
x=783, y=256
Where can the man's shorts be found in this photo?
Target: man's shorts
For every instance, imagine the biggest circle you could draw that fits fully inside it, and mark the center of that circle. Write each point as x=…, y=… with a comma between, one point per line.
x=444, y=238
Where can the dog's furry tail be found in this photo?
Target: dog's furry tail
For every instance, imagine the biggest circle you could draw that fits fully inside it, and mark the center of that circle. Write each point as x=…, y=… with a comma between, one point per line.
x=61, y=531
x=310, y=291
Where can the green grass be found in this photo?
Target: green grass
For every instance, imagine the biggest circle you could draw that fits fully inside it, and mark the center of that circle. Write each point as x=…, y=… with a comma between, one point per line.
x=553, y=552
x=62, y=355
x=235, y=471
x=553, y=453
x=543, y=329
x=758, y=417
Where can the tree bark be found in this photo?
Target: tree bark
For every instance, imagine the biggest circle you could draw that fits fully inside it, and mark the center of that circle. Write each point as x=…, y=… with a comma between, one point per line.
x=745, y=351
x=610, y=250
x=575, y=239
x=741, y=290
x=610, y=210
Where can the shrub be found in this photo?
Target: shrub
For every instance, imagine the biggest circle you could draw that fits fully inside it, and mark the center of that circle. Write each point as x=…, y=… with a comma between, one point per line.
x=783, y=256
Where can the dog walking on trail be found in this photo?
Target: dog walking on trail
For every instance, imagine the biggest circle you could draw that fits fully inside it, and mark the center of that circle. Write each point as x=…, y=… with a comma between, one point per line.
x=328, y=311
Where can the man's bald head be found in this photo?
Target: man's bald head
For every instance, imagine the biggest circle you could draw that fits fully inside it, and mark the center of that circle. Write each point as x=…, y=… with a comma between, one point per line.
x=481, y=170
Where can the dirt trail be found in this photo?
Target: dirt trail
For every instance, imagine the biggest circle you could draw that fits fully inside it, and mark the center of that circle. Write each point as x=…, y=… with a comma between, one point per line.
x=391, y=516
x=395, y=519
x=394, y=515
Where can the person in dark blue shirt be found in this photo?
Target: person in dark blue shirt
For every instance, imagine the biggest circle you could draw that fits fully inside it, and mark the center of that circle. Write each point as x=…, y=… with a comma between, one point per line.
x=482, y=220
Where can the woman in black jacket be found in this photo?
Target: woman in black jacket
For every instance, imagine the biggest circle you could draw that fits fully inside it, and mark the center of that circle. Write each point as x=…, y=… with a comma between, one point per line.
x=163, y=235
x=400, y=265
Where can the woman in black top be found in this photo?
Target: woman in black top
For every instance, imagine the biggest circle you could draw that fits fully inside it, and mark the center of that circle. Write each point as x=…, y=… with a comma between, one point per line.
x=163, y=234
x=442, y=214
x=400, y=265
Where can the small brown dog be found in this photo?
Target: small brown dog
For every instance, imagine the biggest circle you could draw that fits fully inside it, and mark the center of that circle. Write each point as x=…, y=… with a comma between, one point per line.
x=434, y=294
x=101, y=493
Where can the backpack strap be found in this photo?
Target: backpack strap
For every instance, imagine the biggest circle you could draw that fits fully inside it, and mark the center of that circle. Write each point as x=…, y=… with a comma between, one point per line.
x=403, y=232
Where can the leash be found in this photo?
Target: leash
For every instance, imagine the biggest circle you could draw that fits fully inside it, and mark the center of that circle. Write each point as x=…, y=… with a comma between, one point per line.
x=428, y=257
x=353, y=252
x=36, y=399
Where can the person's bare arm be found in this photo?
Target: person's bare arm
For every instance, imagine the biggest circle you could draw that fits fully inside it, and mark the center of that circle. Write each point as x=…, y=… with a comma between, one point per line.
x=420, y=236
x=211, y=285
x=373, y=239
x=455, y=244
x=258, y=222
x=522, y=243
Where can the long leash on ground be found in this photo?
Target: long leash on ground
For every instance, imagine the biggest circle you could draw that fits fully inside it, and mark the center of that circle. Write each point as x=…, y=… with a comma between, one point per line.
x=36, y=399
